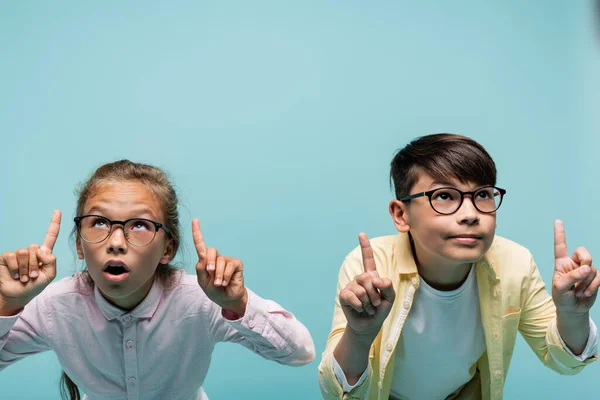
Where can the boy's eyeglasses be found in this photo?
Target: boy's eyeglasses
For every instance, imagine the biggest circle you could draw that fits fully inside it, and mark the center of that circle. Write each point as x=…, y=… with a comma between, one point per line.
x=447, y=200
x=137, y=231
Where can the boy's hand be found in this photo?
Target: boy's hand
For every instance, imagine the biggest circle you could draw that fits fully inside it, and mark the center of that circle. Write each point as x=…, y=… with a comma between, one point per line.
x=368, y=299
x=575, y=282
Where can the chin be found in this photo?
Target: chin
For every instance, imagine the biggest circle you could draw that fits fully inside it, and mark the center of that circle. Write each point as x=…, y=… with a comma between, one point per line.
x=114, y=292
x=466, y=255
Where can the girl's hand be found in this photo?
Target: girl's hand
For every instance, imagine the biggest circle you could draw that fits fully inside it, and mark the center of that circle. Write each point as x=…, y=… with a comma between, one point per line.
x=24, y=273
x=221, y=277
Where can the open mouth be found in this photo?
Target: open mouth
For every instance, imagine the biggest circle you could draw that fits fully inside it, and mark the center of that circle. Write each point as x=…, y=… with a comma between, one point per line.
x=115, y=268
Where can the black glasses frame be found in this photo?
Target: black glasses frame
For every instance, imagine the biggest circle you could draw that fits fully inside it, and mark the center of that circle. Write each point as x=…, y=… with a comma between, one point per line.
x=111, y=223
x=430, y=193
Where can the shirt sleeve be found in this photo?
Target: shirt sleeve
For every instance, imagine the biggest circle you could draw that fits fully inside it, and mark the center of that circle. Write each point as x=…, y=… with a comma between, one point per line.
x=341, y=377
x=591, y=347
x=23, y=334
x=266, y=329
x=331, y=377
x=538, y=326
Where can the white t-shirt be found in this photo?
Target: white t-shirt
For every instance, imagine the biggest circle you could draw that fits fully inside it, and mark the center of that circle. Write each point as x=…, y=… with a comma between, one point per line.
x=441, y=340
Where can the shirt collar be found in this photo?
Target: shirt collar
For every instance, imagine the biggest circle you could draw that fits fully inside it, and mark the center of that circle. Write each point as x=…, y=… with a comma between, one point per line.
x=406, y=261
x=145, y=309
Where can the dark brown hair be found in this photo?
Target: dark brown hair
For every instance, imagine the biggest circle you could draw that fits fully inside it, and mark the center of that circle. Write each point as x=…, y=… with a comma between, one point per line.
x=444, y=156
x=157, y=181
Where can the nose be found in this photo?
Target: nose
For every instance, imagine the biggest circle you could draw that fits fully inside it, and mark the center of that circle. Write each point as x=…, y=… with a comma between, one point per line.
x=116, y=240
x=467, y=213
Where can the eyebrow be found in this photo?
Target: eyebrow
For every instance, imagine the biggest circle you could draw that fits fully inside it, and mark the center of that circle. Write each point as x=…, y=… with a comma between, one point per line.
x=449, y=184
x=138, y=212
x=441, y=183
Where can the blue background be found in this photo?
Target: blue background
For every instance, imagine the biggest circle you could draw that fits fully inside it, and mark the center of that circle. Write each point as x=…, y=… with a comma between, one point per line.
x=277, y=122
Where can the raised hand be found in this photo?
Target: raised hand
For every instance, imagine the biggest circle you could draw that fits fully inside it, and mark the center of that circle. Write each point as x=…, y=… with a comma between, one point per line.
x=575, y=282
x=368, y=299
x=24, y=273
x=221, y=277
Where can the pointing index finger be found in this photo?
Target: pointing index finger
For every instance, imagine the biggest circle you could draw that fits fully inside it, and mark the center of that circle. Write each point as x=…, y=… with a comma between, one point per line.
x=52, y=233
x=367, y=253
x=560, y=241
x=199, y=242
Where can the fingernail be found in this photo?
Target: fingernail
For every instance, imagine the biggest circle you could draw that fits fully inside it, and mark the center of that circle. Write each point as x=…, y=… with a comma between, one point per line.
x=24, y=278
x=217, y=282
x=16, y=276
x=33, y=274
x=376, y=302
x=210, y=267
x=224, y=283
x=588, y=294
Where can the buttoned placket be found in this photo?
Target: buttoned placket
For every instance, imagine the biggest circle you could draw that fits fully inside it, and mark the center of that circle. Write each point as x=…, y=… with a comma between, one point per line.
x=496, y=362
x=130, y=357
x=493, y=320
x=395, y=334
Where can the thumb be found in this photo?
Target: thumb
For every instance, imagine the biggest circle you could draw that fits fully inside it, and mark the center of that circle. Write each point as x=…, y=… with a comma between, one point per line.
x=202, y=273
x=47, y=259
x=565, y=282
x=386, y=288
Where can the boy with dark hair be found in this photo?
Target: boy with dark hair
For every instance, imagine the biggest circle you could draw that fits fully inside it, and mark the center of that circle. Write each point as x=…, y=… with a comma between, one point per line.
x=433, y=312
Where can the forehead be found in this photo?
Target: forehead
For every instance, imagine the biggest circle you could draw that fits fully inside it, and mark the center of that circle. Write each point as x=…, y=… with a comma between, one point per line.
x=123, y=200
x=425, y=182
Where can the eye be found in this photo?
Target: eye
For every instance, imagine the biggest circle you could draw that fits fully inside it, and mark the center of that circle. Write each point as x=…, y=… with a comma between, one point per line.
x=98, y=222
x=141, y=225
x=485, y=194
x=443, y=196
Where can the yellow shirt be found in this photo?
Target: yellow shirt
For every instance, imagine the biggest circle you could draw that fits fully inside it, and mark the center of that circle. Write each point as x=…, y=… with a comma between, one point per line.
x=512, y=298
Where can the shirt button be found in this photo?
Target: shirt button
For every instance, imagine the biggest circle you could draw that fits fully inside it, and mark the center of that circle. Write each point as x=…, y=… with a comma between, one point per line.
x=406, y=303
x=388, y=347
x=414, y=281
x=132, y=380
x=498, y=373
x=251, y=324
x=130, y=344
x=496, y=337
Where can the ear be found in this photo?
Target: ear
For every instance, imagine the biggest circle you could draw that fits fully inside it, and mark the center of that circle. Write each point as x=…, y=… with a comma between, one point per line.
x=79, y=248
x=399, y=212
x=169, y=253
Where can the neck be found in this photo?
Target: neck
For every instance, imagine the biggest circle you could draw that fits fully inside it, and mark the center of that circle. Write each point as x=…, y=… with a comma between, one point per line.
x=131, y=301
x=439, y=273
